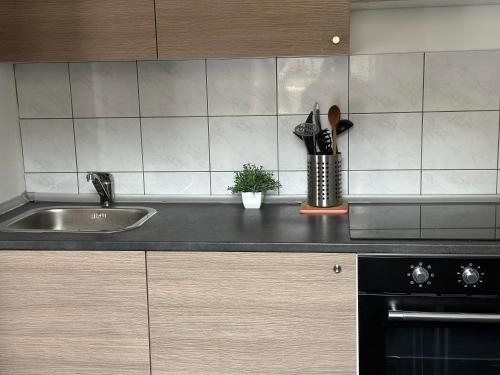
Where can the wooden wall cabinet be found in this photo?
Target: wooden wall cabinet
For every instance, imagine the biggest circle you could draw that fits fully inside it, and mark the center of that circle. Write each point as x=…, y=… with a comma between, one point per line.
x=69, y=313
x=249, y=28
x=73, y=30
x=95, y=30
x=252, y=313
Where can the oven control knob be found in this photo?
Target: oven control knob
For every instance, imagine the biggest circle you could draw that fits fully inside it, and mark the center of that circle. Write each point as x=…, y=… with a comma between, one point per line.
x=420, y=275
x=470, y=275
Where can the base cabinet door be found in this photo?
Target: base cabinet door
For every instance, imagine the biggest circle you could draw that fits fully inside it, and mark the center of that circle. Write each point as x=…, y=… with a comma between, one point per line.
x=252, y=313
x=73, y=313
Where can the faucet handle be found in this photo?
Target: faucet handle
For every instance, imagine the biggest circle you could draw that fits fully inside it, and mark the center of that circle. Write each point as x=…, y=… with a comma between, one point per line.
x=103, y=183
x=102, y=177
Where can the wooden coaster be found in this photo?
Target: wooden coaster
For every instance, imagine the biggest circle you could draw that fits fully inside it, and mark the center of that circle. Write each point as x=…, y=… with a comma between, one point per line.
x=341, y=209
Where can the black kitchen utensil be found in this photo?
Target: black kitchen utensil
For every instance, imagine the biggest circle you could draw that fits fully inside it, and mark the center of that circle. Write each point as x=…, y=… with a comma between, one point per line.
x=310, y=146
x=343, y=126
x=317, y=119
x=307, y=132
x=306, y=129
x=324, y=141
x=309, y=120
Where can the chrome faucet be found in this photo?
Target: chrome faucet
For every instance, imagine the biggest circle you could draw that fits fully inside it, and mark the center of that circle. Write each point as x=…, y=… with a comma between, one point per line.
x=103, y=183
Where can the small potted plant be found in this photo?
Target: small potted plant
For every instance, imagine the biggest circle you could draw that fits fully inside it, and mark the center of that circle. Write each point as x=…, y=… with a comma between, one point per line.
x=252, y=182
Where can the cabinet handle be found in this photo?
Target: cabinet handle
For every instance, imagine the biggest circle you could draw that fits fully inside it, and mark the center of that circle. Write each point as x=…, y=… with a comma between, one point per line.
x=337, y=268
x=336, y=39
x=417, y=316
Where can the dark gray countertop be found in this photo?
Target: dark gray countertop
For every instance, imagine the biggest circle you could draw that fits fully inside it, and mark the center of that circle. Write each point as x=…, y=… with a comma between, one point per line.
x=229, y=227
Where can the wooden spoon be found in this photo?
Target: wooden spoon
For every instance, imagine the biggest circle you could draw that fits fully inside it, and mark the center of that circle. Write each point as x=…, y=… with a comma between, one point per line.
x=334, y=118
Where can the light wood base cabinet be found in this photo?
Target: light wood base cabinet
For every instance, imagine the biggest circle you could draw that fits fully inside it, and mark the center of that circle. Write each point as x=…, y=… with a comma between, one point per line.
x=252, y=313
x=73, y=313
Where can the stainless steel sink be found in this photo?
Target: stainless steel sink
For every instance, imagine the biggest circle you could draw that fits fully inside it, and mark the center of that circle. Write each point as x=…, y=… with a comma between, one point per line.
x=78, y=219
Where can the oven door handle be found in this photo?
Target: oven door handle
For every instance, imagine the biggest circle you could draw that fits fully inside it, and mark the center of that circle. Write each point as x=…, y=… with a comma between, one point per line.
x=417, y=316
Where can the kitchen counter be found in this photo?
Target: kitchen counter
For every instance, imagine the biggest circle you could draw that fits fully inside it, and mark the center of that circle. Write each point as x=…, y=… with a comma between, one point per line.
x=229, y=227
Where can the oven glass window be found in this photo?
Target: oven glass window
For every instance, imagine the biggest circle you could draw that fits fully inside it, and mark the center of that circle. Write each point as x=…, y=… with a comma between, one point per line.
x=444, y=349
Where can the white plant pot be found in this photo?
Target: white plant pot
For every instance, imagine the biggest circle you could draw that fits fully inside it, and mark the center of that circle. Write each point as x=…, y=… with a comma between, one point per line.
x=252, y=200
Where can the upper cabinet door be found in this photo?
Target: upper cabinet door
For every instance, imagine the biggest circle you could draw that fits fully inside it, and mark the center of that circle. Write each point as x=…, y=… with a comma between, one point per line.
x=69, y=30
x=250, y=28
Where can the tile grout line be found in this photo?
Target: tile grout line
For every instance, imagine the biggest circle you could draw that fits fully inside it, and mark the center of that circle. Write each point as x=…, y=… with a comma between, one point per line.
x=19, y=125
x=251, y=115
x=140, y=127
x=156, y=31
x=147, y=307
x=208, y=129
x=74, y=131
x=422, y=128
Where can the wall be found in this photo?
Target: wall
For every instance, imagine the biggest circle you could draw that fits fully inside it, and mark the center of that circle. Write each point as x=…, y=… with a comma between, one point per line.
x=11, y=164
x=425, y=29
x=424, y=123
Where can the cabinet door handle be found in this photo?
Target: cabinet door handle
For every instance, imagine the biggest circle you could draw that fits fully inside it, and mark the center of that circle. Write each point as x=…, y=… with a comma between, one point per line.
x=337, y=268
x=335, y=39
x=417, y=316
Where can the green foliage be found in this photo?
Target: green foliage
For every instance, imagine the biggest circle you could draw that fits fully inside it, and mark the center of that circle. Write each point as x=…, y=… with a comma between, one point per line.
x=253, y=179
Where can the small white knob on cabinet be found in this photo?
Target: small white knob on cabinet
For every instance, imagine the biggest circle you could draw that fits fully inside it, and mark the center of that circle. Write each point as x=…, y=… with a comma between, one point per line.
x=336, y=39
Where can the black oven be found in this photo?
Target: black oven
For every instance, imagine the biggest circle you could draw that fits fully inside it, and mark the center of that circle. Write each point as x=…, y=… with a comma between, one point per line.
x=429, y=316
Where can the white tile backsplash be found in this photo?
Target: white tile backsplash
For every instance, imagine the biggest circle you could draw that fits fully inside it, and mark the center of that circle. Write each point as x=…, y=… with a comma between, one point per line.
x=459, y=182
x=460, y=140
x=108, y=144
x=104, y=89
x=241, y=87
x=386, y=141
x=172, y=88
x=175, y=144
x=183, y=127
x=460, y=81
x=220, y=181
x=386, y=83
x=43, y=90
x=48, y=145
x=302, y=81
x=126, y=183
x=177, y=183
x=62, y=183
x=292, y=151
x=235, y=141
x=293, y=182
x=384, y=182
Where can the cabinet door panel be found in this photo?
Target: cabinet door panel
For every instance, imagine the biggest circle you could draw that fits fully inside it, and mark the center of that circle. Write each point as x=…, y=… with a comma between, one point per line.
x=68, y=313
x=72, y=30
x=249, y=28
x=252, y=313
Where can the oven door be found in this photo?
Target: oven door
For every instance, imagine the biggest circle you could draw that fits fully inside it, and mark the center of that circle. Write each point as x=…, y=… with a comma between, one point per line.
x=429, y=335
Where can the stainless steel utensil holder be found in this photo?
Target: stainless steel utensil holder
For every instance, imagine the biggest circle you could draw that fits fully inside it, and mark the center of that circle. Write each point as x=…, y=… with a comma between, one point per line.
x=324, y=185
